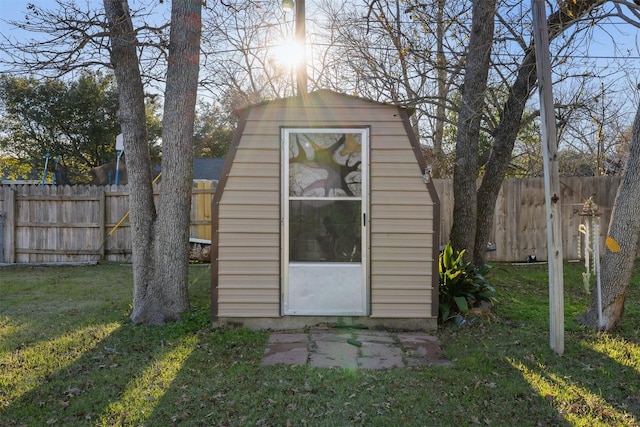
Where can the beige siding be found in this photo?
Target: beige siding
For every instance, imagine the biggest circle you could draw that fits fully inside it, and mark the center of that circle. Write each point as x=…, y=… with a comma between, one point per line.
x=401, y=230
x=245, y=240
x=409, y=311
x=249, y=211
x=241, y=198
x=394, y=296
x=403, y=197
x=395, y=211
x=399, y=252
x=411, y=241
x=249, y=228
x=401, y=211
x=394, y=156
x=400, y=225
x=392, y=170
x=247, y=308
x=244, y=183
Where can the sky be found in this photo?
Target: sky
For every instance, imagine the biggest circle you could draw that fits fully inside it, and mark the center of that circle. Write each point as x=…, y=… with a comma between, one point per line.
x=602, y=45
x=622, y=38
x=16, y=10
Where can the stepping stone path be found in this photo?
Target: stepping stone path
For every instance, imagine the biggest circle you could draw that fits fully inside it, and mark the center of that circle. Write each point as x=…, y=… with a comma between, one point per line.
x=354, y=349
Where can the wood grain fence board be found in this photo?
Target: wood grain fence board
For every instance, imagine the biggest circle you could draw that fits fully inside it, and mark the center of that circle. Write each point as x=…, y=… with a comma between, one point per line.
x=9, y=208
x=65, y=224
x=519, y=226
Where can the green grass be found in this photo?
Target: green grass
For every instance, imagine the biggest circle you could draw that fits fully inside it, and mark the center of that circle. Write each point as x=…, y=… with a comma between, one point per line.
x=70, y=356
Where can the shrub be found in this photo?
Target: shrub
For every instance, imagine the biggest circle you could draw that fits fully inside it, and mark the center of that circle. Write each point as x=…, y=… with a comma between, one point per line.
x=463, y=285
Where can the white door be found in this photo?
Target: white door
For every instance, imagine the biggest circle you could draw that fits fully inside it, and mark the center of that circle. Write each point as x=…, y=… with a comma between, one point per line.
x=324, y=187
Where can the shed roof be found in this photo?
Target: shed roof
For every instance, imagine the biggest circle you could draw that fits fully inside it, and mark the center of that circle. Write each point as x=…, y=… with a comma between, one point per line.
x=322, y=94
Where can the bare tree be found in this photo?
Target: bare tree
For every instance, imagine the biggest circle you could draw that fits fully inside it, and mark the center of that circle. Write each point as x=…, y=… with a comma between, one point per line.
x=126, y=66
x=593, y=130
x=399, y=52
x=240, y=53
x=75, y=36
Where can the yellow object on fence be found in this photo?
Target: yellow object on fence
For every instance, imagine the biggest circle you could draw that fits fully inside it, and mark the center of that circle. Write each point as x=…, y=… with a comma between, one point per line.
x=126, y=215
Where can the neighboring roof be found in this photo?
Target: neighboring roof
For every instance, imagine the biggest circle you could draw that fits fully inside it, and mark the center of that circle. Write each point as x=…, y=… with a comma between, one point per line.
x=207, y=168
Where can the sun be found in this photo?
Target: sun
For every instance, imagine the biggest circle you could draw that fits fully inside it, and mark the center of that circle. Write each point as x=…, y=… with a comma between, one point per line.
x=288, y=54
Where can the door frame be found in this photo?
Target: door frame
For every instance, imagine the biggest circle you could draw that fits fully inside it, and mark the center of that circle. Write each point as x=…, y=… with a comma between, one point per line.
x=364, y=305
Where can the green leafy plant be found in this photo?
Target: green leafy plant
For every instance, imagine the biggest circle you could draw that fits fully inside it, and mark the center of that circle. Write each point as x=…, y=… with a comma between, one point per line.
x=463, y=285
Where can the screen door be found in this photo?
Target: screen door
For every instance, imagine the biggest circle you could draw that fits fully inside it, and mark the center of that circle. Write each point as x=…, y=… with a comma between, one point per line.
x=324, y=223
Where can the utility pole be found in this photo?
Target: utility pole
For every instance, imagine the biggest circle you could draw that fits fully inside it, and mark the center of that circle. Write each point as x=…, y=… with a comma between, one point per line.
x=551, y=177
x=301, y=37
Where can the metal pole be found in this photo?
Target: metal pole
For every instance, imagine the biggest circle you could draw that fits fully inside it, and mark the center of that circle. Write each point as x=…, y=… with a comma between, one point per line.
x=118, y=165
x=46, y=163
x=2, y=215
x=55, y=170
x=597, y=269
x=551, y=178
x=301, y=71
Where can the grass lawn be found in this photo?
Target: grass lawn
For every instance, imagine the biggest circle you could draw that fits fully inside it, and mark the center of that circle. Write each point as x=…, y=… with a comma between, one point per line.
x=70, y=356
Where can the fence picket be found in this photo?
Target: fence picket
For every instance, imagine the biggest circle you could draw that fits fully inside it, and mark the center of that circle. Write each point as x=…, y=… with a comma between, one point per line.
x=62, y=224
x=53, y=224
x=519, y=227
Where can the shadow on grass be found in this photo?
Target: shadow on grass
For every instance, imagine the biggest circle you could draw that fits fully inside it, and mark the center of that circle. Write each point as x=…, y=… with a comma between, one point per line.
x=585, y=386
x=220, y=380
x=222, y=383
x=113, y=380
x=98, y=369
x=597, y=380
x=113, y=373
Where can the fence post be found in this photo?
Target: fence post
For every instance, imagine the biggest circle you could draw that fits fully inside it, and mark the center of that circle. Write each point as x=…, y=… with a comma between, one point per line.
x=9, y=232
x=2, y=215
x=102, y=221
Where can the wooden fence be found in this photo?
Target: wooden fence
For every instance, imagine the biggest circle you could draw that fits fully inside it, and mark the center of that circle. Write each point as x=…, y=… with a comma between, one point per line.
x=53, y=224
x=66, y=224
x=519, y=225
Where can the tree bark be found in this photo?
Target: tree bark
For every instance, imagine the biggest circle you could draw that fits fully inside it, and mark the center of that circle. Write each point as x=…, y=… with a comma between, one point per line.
x=159, y=241
x=504, y=140
x=132, y=118
x=172, y=245
x=624, y=228
x=466, y=161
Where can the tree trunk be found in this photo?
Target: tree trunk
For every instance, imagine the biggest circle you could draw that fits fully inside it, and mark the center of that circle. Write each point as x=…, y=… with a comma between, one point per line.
x=624, y=228
x=172, y=228
x=159, y=242
x=124, y=59
x=466, y=163
x=503, y=142
x=443, y=91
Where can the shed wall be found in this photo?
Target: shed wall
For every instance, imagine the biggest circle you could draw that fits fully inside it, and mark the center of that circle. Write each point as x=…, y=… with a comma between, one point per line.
x=401, y=210
x=402, y=227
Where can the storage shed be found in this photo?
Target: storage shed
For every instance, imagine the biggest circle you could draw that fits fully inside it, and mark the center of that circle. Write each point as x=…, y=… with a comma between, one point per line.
x=325, y=213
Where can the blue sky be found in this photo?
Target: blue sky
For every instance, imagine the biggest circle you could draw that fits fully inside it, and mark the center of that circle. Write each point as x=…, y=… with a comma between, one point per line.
x=602, y=45
x=605, y=47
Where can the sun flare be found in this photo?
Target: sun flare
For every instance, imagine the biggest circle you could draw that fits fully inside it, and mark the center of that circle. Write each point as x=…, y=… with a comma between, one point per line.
x=288, y=54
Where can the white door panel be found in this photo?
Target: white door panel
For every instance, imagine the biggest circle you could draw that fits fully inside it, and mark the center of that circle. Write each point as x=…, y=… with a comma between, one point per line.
x=325, y=187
